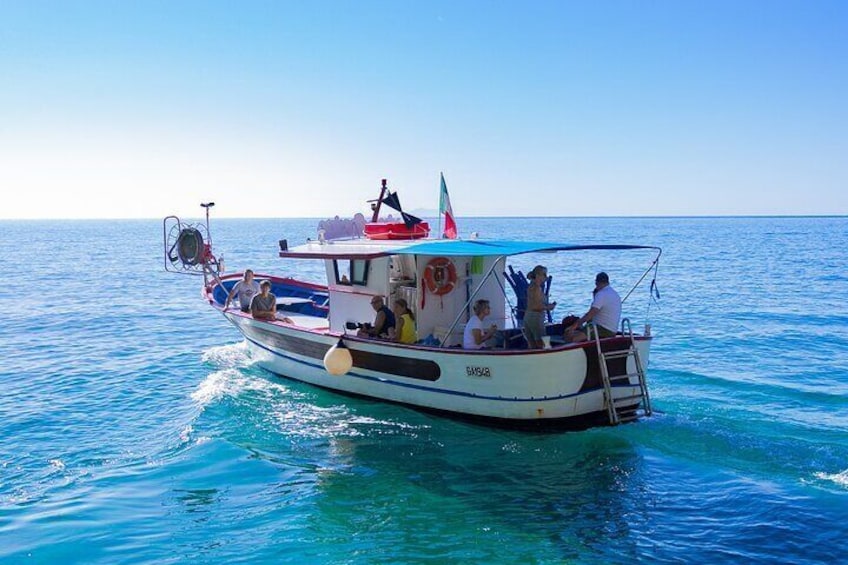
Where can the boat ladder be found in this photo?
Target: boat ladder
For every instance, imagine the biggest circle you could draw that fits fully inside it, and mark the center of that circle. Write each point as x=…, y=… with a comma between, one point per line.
x=624, y=408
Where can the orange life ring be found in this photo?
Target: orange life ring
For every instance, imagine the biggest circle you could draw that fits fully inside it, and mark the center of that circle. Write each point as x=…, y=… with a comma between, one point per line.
x=440, y=276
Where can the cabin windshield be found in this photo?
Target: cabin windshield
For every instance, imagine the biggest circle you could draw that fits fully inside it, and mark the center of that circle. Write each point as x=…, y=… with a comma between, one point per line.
x=351, y=271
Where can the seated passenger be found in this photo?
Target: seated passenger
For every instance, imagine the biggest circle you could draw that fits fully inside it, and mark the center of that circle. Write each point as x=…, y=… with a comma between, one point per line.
x=605, y=311
x=475, y=337
x=264, y=305
x=404, y=330
x=245, y=289
x=383, y=321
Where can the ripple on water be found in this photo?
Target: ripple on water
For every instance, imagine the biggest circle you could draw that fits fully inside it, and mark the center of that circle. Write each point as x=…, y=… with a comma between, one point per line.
x=839, y=479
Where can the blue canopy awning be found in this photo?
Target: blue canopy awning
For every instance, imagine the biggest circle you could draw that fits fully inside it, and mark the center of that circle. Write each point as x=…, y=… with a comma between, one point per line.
x=368, y=249
x=477, y=248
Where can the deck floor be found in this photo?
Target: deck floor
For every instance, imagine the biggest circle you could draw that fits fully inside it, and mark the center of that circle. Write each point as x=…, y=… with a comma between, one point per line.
x=304, y=321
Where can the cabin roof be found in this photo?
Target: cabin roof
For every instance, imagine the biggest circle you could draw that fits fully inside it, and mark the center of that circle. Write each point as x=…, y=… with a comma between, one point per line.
x=370, y=249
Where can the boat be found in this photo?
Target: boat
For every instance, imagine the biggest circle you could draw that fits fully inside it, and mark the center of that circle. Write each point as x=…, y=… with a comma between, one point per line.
x=315, y=338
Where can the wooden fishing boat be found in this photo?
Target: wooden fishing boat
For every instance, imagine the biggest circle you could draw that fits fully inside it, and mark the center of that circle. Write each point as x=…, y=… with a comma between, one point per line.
x=315, y=338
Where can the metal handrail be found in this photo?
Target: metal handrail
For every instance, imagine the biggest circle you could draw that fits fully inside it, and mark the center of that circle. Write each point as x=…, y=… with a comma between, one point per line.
x=608, y=401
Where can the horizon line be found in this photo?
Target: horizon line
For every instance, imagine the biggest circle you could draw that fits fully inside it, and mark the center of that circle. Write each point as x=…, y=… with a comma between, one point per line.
x=646, y=217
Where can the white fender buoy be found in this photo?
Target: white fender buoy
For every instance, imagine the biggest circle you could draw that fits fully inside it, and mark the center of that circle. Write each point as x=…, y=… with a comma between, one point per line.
x=338, y=359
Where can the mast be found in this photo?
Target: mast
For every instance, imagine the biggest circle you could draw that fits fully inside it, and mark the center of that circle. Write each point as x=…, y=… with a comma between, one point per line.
x=376, y=216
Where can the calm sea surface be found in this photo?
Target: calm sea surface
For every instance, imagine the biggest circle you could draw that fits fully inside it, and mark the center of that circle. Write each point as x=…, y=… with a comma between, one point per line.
x=135, y=428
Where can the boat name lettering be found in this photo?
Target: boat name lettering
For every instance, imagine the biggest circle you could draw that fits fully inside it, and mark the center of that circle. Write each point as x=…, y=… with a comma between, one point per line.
x=478, y=371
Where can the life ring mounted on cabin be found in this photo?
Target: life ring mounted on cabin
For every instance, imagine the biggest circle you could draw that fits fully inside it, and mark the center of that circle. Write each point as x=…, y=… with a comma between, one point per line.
x=440, y=275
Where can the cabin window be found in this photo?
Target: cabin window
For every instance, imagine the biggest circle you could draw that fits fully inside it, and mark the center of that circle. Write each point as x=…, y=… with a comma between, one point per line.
x=351, y=271
x=359, y=271
x=401, y=268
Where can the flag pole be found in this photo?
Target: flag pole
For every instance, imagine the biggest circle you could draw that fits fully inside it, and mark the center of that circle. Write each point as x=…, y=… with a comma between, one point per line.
x=441, y=182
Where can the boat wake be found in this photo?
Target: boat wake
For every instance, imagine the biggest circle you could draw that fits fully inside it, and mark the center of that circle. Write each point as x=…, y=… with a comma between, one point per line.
x=219, y=384
x=232, y=355
x=303, y=420
x=286, y=408
x=280, y=407
x=228, y=380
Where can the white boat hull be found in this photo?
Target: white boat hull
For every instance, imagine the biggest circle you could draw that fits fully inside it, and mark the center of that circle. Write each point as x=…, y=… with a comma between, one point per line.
x=554, y=387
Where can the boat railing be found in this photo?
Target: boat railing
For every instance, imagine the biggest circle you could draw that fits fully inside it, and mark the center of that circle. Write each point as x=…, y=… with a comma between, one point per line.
x=640, y=369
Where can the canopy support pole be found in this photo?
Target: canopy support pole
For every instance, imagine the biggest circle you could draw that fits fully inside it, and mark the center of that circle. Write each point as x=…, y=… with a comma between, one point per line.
x=470, y=299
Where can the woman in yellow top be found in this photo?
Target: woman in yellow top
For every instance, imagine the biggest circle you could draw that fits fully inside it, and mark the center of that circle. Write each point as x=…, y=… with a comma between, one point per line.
x=404, y=322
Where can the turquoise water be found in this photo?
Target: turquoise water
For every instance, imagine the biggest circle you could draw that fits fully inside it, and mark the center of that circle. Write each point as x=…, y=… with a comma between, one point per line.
x=134, y=427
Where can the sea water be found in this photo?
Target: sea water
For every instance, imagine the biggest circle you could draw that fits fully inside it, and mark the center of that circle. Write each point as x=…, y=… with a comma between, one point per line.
x=134, y=426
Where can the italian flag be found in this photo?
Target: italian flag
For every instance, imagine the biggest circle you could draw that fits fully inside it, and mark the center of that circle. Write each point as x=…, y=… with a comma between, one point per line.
x=445, y=208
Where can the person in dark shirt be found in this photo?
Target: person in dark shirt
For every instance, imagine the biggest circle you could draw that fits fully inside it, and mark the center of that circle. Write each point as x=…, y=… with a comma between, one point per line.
x=384, y=320
x=264, y=305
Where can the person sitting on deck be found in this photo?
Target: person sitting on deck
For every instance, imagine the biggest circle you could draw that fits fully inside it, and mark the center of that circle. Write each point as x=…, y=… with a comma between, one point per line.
x=475, y=337
x=605, y=311
x=264, y=305
x=404, y=330
x=245, y=289
x=383, y=321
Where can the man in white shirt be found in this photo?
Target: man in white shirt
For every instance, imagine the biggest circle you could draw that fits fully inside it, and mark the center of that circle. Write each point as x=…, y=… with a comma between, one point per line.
x=605, y=311
x=246, y=289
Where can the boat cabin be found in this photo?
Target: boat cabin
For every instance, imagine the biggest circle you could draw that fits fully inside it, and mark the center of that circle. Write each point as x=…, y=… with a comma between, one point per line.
x=439, y=282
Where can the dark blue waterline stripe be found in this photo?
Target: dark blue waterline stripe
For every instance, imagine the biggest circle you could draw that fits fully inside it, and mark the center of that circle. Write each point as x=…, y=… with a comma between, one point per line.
x=424, y=388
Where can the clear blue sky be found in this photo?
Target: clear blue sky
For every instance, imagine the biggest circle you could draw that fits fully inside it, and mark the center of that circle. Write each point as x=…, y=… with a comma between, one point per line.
x=142, y=109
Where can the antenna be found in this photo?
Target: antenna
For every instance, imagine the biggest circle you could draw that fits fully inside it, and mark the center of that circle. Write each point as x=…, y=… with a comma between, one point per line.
x=207, y=205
